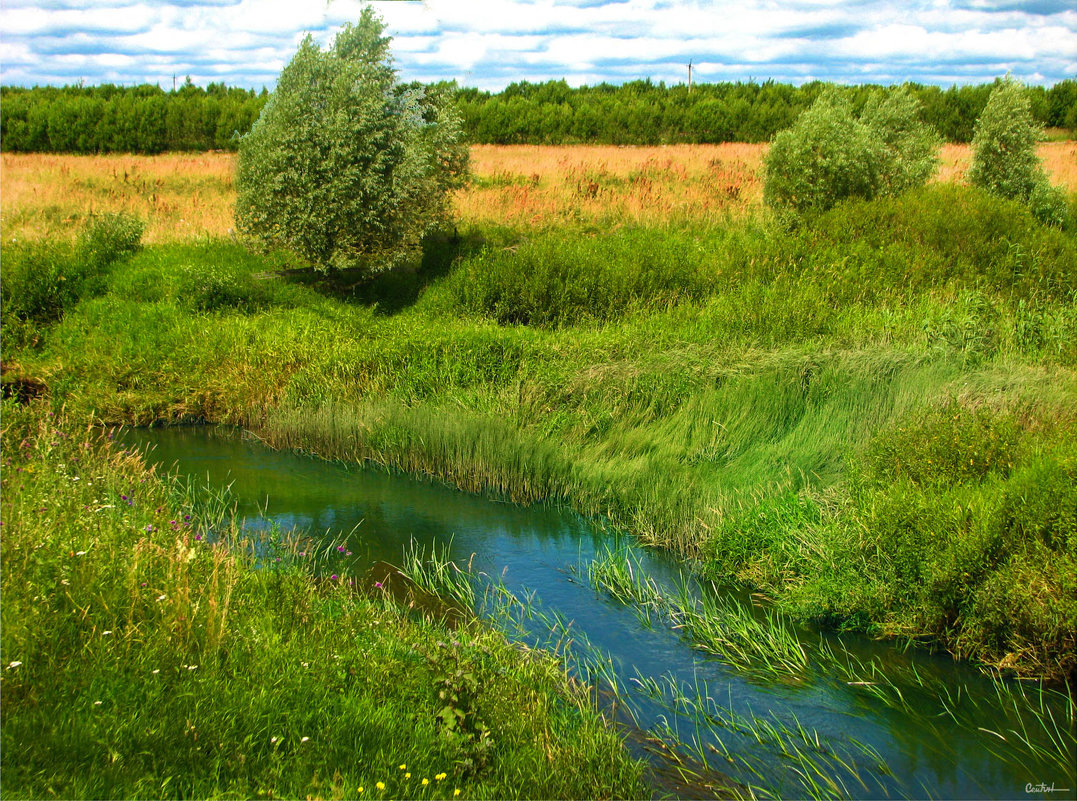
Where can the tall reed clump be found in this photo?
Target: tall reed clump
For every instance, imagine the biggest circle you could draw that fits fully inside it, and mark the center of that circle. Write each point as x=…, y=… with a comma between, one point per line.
x=555, y=280
x=146, y=654
x=960, y=523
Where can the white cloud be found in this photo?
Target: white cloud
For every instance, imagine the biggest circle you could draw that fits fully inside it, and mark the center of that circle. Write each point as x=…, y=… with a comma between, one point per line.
x=488, y=43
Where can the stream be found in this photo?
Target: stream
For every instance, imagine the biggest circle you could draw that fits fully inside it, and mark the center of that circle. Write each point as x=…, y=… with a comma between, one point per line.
x=904, y=724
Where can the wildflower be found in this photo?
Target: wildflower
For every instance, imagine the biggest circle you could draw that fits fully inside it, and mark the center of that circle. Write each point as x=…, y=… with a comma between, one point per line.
x=192, y=667
x=360, y=789
x=161, y=597
x=97, y=703
x=13, y=665
x=303, y=739
x=150, y=528
x=456, y=792
x=377, y=584
x=155, y=672
x=426, y=782
x=106, y=632
x=198, y=537
x=407, y=775
x=380, y=785
x=403, y=767
x=340, y=548
x=186, y=517
x=334, y=577
x=440, y=776
x=273, y=740
x=80, y=553
x=143, y=583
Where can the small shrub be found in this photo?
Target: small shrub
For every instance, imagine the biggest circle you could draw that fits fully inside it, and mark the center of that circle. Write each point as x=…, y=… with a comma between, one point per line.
x=1048, y=204
x=44, y=279
x=830, y=154
x=109, y=238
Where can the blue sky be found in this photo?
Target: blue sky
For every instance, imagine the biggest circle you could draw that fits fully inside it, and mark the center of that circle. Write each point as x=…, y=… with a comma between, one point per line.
x=490, y=43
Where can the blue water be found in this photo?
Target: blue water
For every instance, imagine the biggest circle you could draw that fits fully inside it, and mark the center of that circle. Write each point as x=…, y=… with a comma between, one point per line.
x=541, y=553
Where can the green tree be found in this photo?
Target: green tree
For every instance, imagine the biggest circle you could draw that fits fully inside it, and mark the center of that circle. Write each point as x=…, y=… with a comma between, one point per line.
x=345, y=166
x=907, y=149
x=1004, y=158
x=831, y=154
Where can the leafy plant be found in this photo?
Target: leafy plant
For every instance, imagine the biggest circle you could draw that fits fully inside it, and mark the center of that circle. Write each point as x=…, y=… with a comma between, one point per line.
x=345, y=166
x=831, y=154
x=1004, y=160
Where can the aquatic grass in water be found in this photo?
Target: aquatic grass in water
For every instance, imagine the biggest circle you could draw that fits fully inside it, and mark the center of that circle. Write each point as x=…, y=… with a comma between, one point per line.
x=718, y=624
x=1023, y=723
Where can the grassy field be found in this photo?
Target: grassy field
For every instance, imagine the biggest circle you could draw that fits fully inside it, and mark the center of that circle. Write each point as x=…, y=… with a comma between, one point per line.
x=870, y=419
x=183, y=197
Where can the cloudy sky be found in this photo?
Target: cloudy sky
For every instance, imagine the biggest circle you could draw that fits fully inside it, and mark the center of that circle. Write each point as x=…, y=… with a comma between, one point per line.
x=490, y=43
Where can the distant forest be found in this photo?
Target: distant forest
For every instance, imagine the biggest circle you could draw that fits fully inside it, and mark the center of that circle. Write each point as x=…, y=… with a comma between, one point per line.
x=148, y=119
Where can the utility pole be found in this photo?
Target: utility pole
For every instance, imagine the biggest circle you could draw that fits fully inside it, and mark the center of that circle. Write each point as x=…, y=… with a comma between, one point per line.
x=173, y=83
x=689, y=76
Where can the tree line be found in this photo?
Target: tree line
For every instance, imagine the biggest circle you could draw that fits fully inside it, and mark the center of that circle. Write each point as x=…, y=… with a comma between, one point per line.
x=118, y=119
x=148, y=119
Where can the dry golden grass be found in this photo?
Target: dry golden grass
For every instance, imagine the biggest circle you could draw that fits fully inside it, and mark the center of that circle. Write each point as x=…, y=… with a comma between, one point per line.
x=1059, y=159
x=604, y=184
x=182, y=196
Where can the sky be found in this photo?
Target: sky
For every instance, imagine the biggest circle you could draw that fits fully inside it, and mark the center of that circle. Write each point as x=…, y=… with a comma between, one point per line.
x=491, y=43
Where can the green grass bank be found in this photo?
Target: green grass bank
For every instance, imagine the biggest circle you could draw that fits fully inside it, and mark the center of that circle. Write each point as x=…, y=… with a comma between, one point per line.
x=869, y=418
x=147, y=653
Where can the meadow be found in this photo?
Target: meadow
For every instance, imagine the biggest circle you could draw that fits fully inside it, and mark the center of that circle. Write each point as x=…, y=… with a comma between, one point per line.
x=187, y=196
x=870, y=420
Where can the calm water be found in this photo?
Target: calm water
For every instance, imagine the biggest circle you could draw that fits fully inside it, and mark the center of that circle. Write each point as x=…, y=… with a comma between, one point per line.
x=544, y=551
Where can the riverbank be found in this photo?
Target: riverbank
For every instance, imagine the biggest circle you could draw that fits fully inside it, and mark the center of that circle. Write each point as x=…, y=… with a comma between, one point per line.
x=871, y=420
x=147, y=652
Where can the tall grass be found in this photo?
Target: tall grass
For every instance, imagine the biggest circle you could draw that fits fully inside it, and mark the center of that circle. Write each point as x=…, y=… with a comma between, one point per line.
x=145, y=655
x=712, y=391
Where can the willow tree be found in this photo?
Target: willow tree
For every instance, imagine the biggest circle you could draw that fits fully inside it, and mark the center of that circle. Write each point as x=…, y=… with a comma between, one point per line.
x=1004, y=157
x=831, y=153
x=346, y=166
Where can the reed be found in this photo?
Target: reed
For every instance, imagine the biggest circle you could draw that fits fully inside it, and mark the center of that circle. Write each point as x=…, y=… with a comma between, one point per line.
x=716, y=623
x=148, y=652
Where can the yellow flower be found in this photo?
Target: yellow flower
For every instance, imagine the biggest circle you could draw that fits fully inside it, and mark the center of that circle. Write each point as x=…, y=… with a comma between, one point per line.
x=426, y=782
x=402, y=767
x=456, y=792
x=440, y=776
x=407, y=775
x=380, y=785
x=360, y=790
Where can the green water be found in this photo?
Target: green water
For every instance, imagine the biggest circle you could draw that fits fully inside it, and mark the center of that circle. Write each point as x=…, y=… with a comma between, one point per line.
x=890, y=738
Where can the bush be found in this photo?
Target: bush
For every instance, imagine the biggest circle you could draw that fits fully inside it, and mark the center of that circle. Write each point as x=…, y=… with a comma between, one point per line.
x=346, y=167
x=1048, y=204
x=109, y=238
x=43, y=279
x=830, y=154
x=557, y=280
x=1004, y=160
